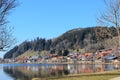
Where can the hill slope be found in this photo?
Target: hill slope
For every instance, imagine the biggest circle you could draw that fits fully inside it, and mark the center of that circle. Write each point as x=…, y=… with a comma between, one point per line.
x=90, y=39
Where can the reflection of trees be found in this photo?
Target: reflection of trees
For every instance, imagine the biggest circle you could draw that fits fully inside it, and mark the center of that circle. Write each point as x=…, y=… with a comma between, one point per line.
x=46, y=71
x=15, y=74
x=58, y=70
x=29, y=72
x=24, y=73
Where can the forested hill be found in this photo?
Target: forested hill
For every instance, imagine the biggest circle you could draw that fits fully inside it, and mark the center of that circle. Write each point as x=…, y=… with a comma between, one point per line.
x=90, y=38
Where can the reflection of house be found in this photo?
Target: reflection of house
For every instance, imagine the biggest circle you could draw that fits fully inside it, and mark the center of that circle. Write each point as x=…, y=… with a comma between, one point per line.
x=99, y=68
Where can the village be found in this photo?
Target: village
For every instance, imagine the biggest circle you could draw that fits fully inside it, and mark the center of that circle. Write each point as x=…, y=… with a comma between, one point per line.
x=100, y=56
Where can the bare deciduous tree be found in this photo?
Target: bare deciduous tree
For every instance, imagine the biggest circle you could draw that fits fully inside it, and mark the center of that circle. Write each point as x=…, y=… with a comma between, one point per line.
x=111, y=16
x=5, y=7
x=6, y=38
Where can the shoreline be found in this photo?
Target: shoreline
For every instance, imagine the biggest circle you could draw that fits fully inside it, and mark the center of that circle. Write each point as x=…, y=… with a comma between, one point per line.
x=60, y=63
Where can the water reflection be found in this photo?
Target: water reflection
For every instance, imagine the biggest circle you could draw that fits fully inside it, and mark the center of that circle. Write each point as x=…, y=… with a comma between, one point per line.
x=27, y=72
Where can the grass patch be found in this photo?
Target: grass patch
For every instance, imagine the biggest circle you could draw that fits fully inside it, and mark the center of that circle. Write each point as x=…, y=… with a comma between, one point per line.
x=94, y=76
x=28, y=53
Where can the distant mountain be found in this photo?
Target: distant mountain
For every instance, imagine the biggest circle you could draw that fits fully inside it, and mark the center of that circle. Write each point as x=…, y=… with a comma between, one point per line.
x=90, y=39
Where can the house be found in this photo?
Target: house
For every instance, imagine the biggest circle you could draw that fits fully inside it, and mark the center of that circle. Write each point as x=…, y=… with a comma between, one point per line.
x=106, y=55
x=89, y=56
x=54, y=59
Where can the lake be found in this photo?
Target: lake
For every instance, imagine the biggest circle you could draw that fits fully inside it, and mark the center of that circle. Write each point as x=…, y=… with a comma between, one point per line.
x=30, y=71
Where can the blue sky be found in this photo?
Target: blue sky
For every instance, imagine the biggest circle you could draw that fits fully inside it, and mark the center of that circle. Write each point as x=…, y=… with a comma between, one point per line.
x=51, y=18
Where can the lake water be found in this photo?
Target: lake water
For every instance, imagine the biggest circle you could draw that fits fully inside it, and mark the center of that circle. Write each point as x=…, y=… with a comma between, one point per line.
x=30, y=71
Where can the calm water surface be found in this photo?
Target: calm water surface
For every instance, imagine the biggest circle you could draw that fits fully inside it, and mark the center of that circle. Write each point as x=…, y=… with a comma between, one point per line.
x=30, y=71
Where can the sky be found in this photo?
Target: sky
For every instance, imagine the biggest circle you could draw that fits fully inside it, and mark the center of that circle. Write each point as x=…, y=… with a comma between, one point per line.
x=51, y=18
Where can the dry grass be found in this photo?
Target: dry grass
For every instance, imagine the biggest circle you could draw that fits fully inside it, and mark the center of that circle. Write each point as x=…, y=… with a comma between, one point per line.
x=28, y=53
x=94, y=76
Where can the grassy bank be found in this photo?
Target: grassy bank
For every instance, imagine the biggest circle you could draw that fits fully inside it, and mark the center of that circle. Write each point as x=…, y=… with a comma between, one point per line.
x=94, y=76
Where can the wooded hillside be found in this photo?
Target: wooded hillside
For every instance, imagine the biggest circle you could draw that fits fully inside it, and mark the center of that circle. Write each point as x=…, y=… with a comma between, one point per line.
x=89, y=39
